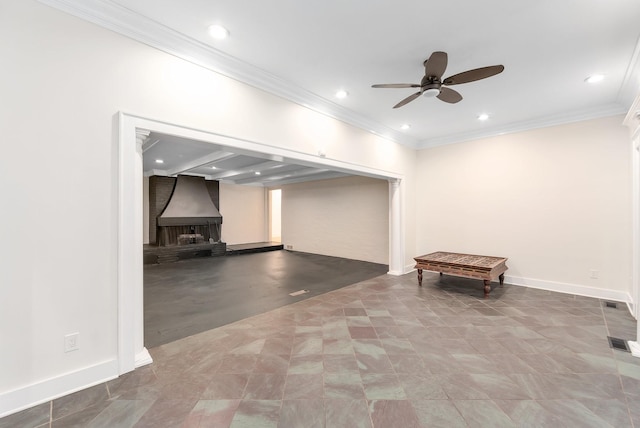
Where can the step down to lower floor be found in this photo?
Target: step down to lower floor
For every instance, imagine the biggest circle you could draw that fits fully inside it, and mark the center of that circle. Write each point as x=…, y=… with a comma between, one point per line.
x=255, y=247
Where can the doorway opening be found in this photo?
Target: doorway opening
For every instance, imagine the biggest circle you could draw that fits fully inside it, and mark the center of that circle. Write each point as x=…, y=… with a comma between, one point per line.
x=275, y=215
x=132, y=133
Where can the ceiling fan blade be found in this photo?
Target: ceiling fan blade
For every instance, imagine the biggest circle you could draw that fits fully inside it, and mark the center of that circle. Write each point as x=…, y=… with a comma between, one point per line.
x=396, y=85
x=473, y=75
x=436, y=65
x=408, y=99
x=449, y=95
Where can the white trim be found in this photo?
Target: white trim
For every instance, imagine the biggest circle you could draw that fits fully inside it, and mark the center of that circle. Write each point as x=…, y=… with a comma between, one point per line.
x=562, y=287
x=131, y=351
x=634, y=347
x=121, y=20
x=396, y=241
x=143, y=358
x=631, y=82
x=632, y=121
x=117, y=18
x=31, y=395
x=526, y=125
x=260, y=149
x=575, y=289
x=410, y=268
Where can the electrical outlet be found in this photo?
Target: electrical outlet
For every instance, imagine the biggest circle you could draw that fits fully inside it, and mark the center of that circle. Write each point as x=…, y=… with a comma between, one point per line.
x=289, y=247
x=593, y=274
x=71, y=342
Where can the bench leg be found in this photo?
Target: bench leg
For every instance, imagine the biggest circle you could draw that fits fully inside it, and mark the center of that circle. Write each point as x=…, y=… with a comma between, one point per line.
x=487, y=287
x=420, y=277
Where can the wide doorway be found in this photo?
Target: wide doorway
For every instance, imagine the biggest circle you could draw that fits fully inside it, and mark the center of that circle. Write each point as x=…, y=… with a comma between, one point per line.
x=133, y=133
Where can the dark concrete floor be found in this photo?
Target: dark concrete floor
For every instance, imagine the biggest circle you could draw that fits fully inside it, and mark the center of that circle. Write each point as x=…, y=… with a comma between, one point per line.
x=188, y=297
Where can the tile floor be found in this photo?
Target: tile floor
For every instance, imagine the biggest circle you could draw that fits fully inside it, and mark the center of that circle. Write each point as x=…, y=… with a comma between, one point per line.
x=382, y=353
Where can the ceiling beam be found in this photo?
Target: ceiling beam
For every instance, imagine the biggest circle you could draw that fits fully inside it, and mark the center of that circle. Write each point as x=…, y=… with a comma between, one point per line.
x=300, y=179
x=257, y=167
x=305, y=175
x=199, y=162
x=284, y=169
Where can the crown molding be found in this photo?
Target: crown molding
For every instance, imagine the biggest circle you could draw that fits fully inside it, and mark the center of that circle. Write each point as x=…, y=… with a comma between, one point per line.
x=526, y=125
x=121, y=20
x=124, y=21
x=630, y=87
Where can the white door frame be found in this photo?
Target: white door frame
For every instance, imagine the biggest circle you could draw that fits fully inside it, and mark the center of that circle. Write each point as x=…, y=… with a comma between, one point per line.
x=132, y=130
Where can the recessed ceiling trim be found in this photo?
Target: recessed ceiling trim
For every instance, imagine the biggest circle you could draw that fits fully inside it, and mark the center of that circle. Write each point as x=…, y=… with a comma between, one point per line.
x=151, y=172
x=142, y=29
x=148, y=144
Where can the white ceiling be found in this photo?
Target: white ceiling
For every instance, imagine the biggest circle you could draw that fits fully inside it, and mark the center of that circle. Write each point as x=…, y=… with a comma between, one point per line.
x=306, y=50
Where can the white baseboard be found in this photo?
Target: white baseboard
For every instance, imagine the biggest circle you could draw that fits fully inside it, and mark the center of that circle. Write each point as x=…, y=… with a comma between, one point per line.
x=576, y=289
x=143, y=358
x=562, y=287
x=634, y=347
x=406, y=269
x=50, y=389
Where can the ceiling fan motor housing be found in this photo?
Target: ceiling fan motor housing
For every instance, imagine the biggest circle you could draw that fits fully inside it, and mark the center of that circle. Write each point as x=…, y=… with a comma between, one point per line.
x=431, y=90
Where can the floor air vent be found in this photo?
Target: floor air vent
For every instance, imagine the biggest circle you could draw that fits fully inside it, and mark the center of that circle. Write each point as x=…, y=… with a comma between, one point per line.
x=611, y=305
x=619, y=344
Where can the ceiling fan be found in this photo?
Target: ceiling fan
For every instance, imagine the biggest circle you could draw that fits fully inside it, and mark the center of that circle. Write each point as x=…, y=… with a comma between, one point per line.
x=432, y=84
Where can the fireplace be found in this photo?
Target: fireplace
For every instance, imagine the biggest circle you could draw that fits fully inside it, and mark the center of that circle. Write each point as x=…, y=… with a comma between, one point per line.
x=190, y=215
x=184, y=221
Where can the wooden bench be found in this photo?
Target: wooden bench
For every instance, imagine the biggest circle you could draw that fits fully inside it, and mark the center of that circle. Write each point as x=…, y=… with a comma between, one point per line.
x=486, y=268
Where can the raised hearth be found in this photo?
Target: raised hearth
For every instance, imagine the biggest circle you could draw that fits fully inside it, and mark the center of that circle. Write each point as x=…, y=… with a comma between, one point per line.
x=159, y=255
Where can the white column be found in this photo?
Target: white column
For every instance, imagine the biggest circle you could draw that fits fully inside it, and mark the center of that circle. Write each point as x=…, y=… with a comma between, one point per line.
x=632, y=121
x=635, y=275
x=131, y=350
x=142, y=356
x=396, y=247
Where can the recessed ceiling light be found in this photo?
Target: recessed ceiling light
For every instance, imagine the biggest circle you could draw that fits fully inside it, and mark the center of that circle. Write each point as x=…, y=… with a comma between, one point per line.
x=341, y=94
x=483, y=117
x=594, y=78
x=159, y=161
x=218, y=32
x=213, y=167
x=257, y=173
x=405, y=127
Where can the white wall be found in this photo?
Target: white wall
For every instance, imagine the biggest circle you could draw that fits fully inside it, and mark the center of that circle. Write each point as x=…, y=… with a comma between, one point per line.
x=343, y=217
x=63, y=82
x=555, y=201
x=243, y=210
